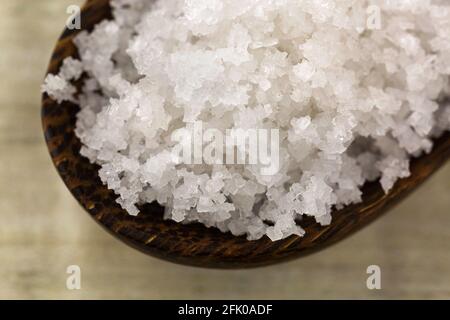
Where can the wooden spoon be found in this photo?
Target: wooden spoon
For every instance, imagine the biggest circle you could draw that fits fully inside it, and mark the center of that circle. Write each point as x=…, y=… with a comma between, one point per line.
x=195, y=244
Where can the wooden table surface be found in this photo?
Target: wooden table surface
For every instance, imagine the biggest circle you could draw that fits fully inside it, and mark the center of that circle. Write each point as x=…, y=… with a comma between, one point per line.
x=43, y=230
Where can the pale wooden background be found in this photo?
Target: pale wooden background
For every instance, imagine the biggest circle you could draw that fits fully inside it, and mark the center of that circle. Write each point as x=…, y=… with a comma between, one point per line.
x=42, y=229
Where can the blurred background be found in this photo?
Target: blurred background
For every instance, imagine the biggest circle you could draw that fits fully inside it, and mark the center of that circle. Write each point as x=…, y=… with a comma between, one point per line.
x=43, y=230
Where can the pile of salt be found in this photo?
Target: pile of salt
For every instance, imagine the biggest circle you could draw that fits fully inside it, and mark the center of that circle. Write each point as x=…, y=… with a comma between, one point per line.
x=351, y=103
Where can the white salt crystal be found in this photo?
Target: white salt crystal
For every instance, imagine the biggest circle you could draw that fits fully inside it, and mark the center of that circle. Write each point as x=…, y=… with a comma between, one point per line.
x=351, y=104
x=301, y=124
x=58, y=88
x=304, y=71
x=71, y=69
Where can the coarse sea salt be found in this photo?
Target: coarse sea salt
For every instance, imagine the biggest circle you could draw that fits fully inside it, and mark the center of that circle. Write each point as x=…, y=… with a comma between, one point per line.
x=352, y=103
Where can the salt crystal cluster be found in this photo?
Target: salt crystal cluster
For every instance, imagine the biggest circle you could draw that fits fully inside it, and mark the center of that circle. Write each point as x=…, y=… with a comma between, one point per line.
x=352, y=103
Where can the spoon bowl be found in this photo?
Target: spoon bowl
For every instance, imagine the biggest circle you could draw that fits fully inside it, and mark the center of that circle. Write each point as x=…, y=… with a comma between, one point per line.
x=194, y=244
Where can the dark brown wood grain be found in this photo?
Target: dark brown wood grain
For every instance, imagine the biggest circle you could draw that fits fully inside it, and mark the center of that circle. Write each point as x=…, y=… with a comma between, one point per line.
x=195, y=244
